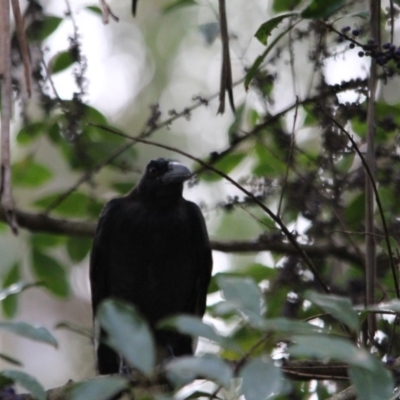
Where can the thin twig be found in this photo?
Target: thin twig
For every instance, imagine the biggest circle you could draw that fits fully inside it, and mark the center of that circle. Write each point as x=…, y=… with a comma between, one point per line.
x=23, y=45
x=226, y=70
x=274, y=217
x=290, y=155
x=370, y=188
x=107, y=13
x=6, y=111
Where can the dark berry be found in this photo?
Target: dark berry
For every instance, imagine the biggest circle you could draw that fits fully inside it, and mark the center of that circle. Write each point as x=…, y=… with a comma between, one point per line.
x=386, y=46
x=355, y=32
x=371, y=41
x=352, y=45
x=346, y=29
x=360, y=54
x=340, y=39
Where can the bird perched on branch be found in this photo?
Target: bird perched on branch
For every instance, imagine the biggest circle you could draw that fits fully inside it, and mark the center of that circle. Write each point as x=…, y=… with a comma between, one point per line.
x=152, y=250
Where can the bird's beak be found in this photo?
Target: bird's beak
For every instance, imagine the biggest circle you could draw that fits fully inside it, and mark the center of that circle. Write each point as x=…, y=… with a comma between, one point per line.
x=177, y=173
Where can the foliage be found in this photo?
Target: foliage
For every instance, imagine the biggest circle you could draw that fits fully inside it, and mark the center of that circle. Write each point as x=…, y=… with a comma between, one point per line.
x=300, y=161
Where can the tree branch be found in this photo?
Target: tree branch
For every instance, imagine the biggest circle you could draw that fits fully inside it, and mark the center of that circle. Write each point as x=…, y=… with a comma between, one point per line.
x=79, y=228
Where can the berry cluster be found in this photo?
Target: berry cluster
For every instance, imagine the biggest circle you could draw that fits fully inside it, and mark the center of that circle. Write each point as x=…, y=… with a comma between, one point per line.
x=382, y=56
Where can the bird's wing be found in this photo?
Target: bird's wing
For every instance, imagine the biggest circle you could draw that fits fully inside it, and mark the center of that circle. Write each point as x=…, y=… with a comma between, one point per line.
x=203, y=258
x=99, y=257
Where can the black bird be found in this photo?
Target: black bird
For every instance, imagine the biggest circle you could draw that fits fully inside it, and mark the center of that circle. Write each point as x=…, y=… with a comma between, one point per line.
x=151, y=249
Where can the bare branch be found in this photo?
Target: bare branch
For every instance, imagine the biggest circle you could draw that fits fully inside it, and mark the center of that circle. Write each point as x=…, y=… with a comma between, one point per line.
x=226, y=70
x=6, y=111
x=23, y=44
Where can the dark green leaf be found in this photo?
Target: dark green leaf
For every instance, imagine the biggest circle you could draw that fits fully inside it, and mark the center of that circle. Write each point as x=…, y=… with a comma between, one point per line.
x=262, y=379
x=39, y=334
x=78, y=248
x=27, y=381
x=61, y=61
x=183, y=370
x=339, y=307
x=226, y=165
x=260, y=59
x=268, y=163
x=10, y=359
x=321, y=9
x=267, y=27
x=372, y=385
x=77, y=204
x=243, y=294
x=28, y=173
x=101, y=388
x=31, y=132
x=123, y=187
x=284, y=5
x=51, y=272
x=195, y=327
x=178, y=4
x=355, y=211
x=128, y=334
x=44, y=240
x=40, y=30
x=10, y=303
x=328, y=347
x=95, y=9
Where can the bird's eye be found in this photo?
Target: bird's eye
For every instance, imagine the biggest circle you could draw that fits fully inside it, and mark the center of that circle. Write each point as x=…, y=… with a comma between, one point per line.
x=153, y=171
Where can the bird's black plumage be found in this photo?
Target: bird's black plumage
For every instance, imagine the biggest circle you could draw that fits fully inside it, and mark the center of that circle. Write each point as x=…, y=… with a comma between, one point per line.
x=151, y=249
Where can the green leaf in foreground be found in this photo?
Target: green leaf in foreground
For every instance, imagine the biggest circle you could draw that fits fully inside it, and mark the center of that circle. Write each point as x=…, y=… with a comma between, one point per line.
x=39, y=334
x=324, y=347
x=372, y=385
x=267, y=27
x=242, y=293
x=101, y=388
x=184, y=370
x=27, y=381
x=195, y=327
x=262, y=379
x=128, y=334
x=339, y=307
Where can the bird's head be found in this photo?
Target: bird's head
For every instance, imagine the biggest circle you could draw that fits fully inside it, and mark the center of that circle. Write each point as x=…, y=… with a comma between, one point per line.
x=163, y=178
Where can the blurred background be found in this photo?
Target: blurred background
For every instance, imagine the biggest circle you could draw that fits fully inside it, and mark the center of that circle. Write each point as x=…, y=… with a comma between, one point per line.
x=126, y=73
